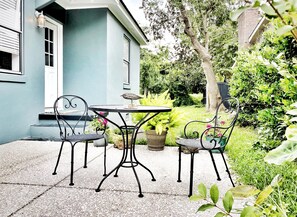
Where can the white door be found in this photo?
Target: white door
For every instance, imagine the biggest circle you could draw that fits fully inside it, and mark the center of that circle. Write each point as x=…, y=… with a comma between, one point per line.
x=53, y=63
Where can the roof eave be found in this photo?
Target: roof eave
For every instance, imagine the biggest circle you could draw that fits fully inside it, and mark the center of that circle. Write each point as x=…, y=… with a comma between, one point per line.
x=117, y=8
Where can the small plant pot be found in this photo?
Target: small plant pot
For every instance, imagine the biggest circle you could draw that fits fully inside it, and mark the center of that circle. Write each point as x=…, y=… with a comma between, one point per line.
x=155, y=142
x=101, y=142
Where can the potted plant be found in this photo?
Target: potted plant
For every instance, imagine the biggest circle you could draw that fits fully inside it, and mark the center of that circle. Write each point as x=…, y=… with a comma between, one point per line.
x=156, y=128
x=216, y=134
x=99, y=125
x=117, y=138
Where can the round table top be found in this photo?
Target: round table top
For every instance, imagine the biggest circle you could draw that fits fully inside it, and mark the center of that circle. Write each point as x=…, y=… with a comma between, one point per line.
x=128, y=109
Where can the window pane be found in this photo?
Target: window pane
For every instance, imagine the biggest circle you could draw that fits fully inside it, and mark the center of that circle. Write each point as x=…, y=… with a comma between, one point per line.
x=9, y=47
x=126, y=73
x=46, y=59
x=126, y=60
x=126, y=48
x=51, y=48
x=46, y=33
x=46, y=46
x=51, y=38
x=5, y=60
x=51, y=60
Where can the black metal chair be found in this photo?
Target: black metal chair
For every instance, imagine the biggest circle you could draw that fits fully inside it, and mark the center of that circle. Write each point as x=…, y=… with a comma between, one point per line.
x=73, y=129
x=214, y=136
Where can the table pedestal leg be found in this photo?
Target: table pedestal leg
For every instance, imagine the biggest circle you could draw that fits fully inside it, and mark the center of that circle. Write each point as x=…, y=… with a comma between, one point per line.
x=131, y=161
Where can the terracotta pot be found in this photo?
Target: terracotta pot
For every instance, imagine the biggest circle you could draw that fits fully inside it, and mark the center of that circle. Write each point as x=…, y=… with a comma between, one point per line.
x=155, y=142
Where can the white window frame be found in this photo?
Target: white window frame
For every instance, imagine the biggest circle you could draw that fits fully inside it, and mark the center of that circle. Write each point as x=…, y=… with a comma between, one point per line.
x=15, y=27
x=126, y=62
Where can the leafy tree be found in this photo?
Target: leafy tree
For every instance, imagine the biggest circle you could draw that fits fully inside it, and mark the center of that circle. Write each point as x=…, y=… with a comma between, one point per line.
x=157, y=74
x=150, y=66
x=195, y=20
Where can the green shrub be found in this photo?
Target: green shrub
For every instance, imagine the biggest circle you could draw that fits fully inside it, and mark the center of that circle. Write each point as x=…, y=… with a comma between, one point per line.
x=197, y=99
x=263, y=81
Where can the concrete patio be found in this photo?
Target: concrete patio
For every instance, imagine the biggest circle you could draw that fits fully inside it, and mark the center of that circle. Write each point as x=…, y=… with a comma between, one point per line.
x=28, y=187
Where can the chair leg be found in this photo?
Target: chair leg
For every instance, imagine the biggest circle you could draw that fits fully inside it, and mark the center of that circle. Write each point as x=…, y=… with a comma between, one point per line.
x=227, y=169
x=179, y=163
x=86, y=155
x=58, y=160
x=72, y=165
x=191, y=175
x=104, y=173
x=214, y=164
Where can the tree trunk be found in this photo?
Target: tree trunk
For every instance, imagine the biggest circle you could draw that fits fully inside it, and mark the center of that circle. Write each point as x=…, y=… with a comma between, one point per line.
x=213, y=97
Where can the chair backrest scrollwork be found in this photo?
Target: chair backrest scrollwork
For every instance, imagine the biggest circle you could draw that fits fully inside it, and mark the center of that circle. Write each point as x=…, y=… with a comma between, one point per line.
x=72, y=116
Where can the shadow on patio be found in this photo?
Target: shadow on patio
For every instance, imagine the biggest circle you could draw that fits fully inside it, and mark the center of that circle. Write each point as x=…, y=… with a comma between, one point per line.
x=28, y=187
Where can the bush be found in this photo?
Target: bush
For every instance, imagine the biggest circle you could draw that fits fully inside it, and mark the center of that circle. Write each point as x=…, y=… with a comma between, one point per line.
x=263, y=81
x=197, y=99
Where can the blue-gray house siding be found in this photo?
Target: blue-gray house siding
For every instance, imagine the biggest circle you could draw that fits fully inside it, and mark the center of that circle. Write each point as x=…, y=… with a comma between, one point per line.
x=22, y=96
x=92, y=66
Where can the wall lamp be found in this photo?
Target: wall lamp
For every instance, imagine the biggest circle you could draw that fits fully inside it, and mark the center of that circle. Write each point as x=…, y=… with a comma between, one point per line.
x=40, y=19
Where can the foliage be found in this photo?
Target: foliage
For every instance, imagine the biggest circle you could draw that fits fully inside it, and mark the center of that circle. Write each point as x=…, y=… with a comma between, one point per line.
x=255, y=209
x=164, y=120
x=251, y=169
x=287, y=151
x=157, y=75
x=195, y=26
x=98, y=124
x=223, y=49
x=282, y=10
x=263, y=81
x=197, y=98
x=150, y=66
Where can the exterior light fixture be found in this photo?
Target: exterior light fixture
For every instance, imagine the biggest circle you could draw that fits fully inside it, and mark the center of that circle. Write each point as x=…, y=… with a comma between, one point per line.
x=40, y=19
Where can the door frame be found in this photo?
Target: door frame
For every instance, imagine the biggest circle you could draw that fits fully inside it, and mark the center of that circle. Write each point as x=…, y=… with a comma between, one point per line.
x=59, y=57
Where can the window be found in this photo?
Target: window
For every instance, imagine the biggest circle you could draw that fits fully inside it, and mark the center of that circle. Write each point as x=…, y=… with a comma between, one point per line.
x=49, y=47
x=10, y=36
x=126, y=61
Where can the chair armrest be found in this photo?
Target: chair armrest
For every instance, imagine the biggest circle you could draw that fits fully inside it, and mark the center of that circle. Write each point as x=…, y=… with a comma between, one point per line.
x=191, y=130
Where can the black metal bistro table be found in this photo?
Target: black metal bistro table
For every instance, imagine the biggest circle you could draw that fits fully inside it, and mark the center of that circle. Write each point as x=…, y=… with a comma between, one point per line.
x=128, y=160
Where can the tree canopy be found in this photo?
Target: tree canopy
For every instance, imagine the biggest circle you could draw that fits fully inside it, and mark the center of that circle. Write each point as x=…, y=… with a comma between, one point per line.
x=198, y=27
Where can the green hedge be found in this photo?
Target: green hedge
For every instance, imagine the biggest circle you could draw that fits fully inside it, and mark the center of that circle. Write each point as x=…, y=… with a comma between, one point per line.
x=264, y=82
